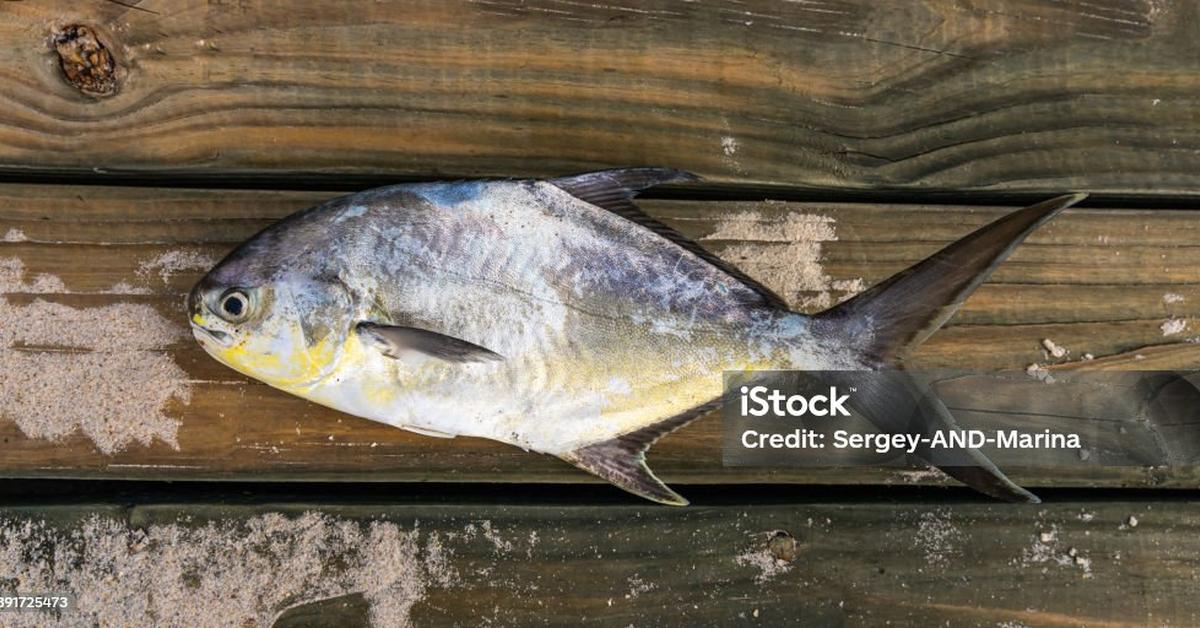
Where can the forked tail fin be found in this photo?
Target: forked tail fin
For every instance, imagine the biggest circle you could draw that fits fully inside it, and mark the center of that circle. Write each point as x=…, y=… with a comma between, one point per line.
x=893, y=317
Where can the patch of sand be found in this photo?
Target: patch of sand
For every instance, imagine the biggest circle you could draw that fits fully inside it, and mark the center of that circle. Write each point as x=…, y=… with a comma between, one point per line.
x=100, y=371
x=171, y=262
x=784, y=253
x=222, y=573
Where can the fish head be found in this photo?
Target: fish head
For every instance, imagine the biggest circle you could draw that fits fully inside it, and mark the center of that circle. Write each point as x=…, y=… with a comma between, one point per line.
x=275, y=323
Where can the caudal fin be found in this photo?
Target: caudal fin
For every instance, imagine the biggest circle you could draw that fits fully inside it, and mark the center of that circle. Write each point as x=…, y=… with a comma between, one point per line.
x=893, y=317
x=888, y=321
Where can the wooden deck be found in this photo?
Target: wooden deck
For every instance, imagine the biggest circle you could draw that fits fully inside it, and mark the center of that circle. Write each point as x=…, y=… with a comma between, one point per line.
x=1115, y=563
x=839, y=140
x=1031, y=95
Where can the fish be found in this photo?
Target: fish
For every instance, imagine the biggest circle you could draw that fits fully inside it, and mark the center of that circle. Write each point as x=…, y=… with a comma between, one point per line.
x=554, y=315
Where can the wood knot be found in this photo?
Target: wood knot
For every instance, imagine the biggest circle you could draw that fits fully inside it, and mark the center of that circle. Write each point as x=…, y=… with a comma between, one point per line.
x=782, y=545
x=87, y=64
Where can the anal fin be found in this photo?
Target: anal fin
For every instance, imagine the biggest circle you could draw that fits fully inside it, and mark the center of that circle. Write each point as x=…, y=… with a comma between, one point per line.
x=625, y=469
x=622, y=460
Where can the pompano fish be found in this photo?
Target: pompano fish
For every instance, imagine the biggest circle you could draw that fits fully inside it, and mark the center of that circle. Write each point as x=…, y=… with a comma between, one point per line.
x=552, y=315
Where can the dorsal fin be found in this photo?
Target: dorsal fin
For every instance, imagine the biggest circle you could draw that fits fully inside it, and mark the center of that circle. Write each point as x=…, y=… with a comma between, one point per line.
x=609, y=188
x=614, y=190
x=622, y=460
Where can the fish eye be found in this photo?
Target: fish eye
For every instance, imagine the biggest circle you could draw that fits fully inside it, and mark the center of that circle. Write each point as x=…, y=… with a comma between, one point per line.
x=235, y=305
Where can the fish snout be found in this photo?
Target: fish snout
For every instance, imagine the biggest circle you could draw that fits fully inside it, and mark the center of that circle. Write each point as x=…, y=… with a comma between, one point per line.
x=195, y=303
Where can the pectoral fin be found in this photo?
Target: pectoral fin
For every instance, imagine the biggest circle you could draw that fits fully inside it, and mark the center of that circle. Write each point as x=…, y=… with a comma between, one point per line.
x=394, y=342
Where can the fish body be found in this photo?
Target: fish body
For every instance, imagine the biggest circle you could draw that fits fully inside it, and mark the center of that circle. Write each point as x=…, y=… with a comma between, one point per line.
x=547, y=314
x=604, y=326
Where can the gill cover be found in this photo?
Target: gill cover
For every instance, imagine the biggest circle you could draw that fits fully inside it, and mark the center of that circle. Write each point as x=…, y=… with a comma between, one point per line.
x=293, y=334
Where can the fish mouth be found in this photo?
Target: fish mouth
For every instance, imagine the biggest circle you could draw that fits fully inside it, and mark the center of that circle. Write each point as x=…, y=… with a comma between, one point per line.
x=203, y=333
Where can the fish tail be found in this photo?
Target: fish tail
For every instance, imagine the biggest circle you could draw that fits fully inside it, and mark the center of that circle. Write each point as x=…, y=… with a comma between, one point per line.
x=884, y=324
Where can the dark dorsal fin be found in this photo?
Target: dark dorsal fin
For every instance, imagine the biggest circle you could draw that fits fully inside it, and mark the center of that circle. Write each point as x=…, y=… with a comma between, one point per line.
x=622, y=460
x=614, y=190
x=608, y=188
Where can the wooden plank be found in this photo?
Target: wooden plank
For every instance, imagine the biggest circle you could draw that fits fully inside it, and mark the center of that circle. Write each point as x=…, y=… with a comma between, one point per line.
x=937, y=94
x=103, y=380
x=1106, y=564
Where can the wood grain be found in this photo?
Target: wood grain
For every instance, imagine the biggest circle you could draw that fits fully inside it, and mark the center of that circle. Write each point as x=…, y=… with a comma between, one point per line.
x=908, y=564
x=1031, y=95
x=1093, y=281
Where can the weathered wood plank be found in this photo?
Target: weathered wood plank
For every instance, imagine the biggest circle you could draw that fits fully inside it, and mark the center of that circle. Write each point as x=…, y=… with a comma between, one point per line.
x=910, y=564
x=1032, y=95
x=101, y=378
